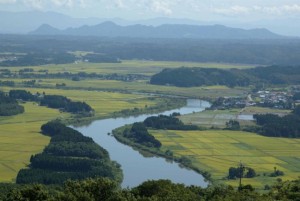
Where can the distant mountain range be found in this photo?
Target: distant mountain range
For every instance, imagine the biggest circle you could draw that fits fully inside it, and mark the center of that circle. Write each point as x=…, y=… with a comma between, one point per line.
x=110, y=29
x=24, y=22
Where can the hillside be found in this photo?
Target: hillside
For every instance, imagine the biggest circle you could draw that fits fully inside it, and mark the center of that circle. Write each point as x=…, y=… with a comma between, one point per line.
x=110, y=29
x=193, y=77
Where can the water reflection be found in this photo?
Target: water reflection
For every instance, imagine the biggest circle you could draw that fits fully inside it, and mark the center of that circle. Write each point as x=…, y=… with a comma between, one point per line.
x=137, y=168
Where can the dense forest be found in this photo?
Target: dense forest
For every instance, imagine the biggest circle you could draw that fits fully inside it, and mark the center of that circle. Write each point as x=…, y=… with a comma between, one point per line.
x=53, y=101
x=9, y=106
x=102, y=189
x=167, y=122
x=275, y=126
x=139, y=134
x=61, y=102
x=192, y=77
x=70, y=155
x=55, y=49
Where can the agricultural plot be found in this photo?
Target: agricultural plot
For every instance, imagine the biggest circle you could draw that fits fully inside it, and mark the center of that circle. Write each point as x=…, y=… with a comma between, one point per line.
x=104, y=103
x=128, y=67
x=211, y=118
x=20, y=134
x=139, y=86
x=215, y=151
x=20, y=138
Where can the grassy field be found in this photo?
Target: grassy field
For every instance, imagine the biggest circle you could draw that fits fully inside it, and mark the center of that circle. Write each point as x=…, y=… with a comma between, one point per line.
x=20, y=138
x=217, y=150
x=128, y=67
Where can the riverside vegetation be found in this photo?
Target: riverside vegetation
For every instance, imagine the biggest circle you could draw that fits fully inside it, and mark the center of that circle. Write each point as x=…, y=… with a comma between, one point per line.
x=215, y=152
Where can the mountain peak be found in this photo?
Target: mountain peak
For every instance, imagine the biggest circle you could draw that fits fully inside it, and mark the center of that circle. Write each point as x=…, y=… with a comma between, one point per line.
x=45, y=29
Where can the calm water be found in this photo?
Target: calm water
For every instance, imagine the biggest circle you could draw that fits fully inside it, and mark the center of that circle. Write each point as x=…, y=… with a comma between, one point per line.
x=137, y=168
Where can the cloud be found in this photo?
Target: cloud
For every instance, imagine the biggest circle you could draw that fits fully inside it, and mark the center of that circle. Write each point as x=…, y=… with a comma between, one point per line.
x=267, y=10
x=163, y=7
x=41, y=4
x=7, y=1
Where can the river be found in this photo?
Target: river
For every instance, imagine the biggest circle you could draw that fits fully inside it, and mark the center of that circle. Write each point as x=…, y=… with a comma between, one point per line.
x=137, y=168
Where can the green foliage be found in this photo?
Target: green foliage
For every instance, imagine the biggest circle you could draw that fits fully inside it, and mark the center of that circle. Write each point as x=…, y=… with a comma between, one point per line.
x=61, y=102
x=70, y=155
x=193, y=77
x=139, y=133
x=288, y=190
x=103, y=189
x=34, y=192
x=9, y=106
x=22, y=95
x=164, y=190
x=275, y=126
x=167, y=122
x=234, y=173
x=233, y=125
x=40, y=58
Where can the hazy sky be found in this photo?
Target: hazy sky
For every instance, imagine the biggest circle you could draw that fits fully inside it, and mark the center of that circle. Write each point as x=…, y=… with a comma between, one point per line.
x=203, y=10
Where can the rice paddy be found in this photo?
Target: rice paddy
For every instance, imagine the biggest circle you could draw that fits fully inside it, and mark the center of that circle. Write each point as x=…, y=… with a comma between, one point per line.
x=215, y=151
x=20, y=134
x=128, y=67
x=20, y=138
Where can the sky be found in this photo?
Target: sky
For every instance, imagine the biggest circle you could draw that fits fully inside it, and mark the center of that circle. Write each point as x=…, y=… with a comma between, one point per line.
x=279, y=16
x=202, y=10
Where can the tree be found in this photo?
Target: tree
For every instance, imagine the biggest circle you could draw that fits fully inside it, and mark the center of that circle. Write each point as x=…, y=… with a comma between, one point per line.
x=30, y=193
x=233, y=125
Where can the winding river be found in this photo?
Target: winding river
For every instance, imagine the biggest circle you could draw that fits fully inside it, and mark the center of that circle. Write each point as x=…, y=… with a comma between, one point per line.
x=137, y=168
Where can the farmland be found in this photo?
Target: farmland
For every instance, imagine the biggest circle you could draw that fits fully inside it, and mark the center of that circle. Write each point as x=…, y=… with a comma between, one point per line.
x=127, y=67
x=104, y=103
x=215, y=151
x=20, y=138
x=218, y=118
x=20, y=134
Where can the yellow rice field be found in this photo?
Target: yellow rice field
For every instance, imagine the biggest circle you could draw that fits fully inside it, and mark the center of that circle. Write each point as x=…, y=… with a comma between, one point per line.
x=216, y=151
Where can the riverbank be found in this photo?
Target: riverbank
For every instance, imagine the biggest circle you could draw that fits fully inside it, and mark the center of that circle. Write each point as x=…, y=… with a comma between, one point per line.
x=163, y=104
x=136, y=167
x=144, y=150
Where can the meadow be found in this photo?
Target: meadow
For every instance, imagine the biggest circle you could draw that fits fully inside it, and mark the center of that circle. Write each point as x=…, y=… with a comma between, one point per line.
x=215, y=151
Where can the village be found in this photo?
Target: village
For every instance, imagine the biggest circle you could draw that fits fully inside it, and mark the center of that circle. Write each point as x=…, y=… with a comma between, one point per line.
x=277, y=99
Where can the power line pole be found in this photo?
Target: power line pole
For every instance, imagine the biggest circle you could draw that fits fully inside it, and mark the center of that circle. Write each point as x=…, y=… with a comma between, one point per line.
x=241, y=168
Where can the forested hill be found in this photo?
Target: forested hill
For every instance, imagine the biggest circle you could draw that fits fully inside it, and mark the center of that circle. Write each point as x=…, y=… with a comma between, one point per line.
x=193, y=77
x=110, y=29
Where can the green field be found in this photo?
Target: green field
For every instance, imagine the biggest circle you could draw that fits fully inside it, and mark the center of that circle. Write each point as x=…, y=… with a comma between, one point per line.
x=218, y=118
x=217, y=150
x=20, y=138
x=19, y=134
x=128, y=67
x=104, y=103
x=211, y=118
x=208, y=92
